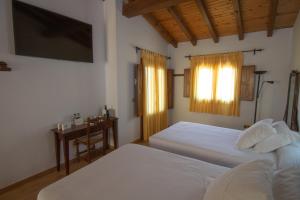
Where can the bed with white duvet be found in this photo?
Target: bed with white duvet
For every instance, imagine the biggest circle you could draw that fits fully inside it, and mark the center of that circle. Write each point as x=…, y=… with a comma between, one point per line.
x=208, y=143
x=135, y=172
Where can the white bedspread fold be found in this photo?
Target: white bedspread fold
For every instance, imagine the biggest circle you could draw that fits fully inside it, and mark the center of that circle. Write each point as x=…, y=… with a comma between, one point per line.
x=135, y=172
x=204, y=142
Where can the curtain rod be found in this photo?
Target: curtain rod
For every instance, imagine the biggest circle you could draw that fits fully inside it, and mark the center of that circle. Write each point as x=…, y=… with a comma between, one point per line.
x=245, y=51
x=137, y=49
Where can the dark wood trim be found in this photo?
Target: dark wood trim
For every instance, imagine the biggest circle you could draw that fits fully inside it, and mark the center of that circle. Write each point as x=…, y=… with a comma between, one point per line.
x=141, y=7
x=136, y=141
x=175, y=75
x=247, y=83
x=7, y=69
x=207, y=18
x=294, y=117
x=239, y=18
x=163, y=32
x=272, y=17
x=286, y=113
x=182, y=24
x=31, y=178
x=138, y=89
x=187, y=82
x=170, y=88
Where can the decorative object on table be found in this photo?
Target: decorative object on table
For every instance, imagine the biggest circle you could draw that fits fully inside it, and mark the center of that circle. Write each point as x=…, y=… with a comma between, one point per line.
x=66, y=125
x=3, y=67
x=59, y=127
x=105, y=112
x=259, y=88
x=77, y=120
x=111, y=112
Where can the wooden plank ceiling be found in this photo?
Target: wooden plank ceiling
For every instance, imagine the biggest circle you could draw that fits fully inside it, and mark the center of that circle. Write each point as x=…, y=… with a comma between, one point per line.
x=192, y=20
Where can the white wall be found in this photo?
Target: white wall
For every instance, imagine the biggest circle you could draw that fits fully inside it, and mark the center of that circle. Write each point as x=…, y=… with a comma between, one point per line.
x=275, y=58
x=110, y=10
x=38, y=93
x=132, y=32
x=296, y=44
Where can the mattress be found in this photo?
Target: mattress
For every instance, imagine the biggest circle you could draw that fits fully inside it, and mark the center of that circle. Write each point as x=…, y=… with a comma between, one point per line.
x=208, y=143
x=135, y=172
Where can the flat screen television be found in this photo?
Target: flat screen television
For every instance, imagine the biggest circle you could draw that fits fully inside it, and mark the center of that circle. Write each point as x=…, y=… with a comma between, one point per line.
x=41, y=33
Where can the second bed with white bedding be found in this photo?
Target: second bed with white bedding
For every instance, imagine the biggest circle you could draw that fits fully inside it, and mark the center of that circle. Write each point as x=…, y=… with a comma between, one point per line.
x=135, y=172
x=204, y=142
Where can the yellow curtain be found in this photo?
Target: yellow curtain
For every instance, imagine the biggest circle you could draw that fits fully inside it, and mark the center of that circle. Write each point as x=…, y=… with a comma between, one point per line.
x=154, y=93
x=215, y=83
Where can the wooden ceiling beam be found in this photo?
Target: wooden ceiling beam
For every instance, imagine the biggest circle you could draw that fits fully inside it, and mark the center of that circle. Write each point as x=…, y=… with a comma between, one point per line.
x=207, y=18
x=163, y=32
x=239, y=18
x=272, y=17
x=182, y=24
x=140, y=7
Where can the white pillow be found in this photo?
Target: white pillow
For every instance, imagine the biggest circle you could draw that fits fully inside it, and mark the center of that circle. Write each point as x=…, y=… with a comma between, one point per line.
x=275, y=141
x=288, y=156
x=254, y=134
x=272, y=143
x=248, y=181
x=286, y=184
x=268, y=121
x=282, y=127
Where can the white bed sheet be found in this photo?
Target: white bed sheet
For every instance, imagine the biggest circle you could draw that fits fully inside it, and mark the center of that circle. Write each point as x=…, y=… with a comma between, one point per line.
x=208, y=143
x=135, y=172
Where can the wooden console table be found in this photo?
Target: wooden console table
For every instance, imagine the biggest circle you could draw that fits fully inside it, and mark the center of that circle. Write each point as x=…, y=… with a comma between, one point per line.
x=79, y=131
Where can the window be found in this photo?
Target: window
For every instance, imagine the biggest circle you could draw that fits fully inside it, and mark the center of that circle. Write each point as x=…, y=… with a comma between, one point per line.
x=155, y=115
x=215, y=83
x=226, y=84
x=204, y=84
x=155, y=90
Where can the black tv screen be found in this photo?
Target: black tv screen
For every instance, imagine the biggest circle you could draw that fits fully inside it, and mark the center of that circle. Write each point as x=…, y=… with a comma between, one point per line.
x=41, y=33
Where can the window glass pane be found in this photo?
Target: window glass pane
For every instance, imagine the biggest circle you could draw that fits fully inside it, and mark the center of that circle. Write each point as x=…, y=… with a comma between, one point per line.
x=204, y=84
x=161, y=90
x=155, y=90
x=225, y=84
x=150, y=90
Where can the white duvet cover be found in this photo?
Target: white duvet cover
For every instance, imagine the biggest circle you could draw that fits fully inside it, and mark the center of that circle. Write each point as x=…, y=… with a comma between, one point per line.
x=208, y=143
x=135, y=172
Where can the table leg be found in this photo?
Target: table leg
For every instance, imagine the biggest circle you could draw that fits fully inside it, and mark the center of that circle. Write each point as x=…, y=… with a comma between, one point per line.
x=107, y=139
x=115, y=134
x=57, y=151
x=66, y=153
x=105, y=144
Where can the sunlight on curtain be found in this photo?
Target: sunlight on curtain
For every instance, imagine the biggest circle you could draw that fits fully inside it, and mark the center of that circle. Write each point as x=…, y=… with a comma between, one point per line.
x=162, y=94
x=215, y=83
x=204, y=83
x=155, y=93
x=150, y=90
x=226, y=84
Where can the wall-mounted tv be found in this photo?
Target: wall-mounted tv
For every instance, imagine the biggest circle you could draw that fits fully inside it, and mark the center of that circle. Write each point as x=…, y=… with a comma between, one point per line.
x=41, y=33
